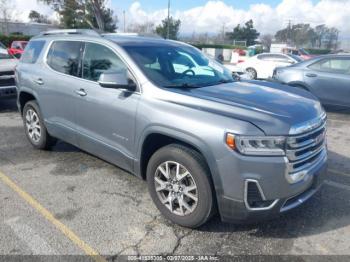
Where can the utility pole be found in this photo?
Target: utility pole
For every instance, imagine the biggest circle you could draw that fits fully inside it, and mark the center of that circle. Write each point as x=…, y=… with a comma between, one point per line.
x=168, y=24
x=124, y=19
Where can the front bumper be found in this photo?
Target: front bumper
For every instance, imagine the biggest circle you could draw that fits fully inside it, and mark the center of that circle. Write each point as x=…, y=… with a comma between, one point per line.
x=270, y=176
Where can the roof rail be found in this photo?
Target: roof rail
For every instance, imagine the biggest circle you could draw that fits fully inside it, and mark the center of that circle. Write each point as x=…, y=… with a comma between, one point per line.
x=70, y=32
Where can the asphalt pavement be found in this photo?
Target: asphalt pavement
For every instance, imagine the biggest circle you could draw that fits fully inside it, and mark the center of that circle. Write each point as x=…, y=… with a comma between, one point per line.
x=67, y=202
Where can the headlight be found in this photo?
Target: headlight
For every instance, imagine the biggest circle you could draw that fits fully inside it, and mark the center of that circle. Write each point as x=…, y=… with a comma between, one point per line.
x=260, y=145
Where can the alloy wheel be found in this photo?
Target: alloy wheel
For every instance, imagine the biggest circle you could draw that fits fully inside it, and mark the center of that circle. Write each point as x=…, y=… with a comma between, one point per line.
x=176, y=188
x=33, y=125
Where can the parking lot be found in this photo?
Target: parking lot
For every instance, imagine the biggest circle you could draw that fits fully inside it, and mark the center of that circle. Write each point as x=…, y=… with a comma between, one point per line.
x=67, y=202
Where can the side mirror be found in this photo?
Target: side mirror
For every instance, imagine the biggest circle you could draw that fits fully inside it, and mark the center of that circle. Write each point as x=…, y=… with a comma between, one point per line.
x=117, y=80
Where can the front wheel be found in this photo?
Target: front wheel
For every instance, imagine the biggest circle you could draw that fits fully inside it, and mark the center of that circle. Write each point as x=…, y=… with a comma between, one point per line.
x=179, y=184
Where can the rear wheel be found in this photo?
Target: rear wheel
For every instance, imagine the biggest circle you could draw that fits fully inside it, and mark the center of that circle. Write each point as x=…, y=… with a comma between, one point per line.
x=179, y=184
x=34, y=127
x=251, y=72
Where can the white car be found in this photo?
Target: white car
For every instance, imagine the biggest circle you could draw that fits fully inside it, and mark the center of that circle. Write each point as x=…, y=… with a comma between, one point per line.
x=261, y=66
x=7, y=75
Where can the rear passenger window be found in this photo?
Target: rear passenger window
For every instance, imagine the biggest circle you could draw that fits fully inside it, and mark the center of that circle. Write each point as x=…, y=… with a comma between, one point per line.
x=64, y=57
x=332, y=65
x=32, y=52
x=99, y=59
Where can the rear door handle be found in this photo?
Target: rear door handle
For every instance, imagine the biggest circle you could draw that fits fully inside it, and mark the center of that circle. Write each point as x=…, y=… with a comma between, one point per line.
x=81, y=92
x=39, y=81
x=311, y=75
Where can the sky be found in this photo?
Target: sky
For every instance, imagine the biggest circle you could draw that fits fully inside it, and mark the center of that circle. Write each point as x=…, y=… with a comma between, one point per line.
x=203, y=16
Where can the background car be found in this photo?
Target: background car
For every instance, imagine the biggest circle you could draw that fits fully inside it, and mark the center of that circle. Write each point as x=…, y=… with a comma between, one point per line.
x=301, y=52
x=7, y=78
x=327, y=77
x=261, y=66
x=17, y=48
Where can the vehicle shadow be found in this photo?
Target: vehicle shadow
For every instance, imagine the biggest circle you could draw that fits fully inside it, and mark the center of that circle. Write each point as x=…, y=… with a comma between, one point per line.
x=8, y=105
x=327, y=210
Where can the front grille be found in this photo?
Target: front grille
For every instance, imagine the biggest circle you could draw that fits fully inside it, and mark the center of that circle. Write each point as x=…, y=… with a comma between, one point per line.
x=7, y=73
x=7, y=82
x=306, y=148
x=7, y=78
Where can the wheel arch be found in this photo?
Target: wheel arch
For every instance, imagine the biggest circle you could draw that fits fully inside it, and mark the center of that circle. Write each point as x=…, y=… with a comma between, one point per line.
x=23, y=97
x=157, y=137
x=299, y=85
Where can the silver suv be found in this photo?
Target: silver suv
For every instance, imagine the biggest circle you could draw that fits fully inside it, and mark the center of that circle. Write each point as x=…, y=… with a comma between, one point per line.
x=165, y=112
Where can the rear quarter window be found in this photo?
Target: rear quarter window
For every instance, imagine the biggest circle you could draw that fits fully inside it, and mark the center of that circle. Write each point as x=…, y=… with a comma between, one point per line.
x=64, y=57
x=32, y=51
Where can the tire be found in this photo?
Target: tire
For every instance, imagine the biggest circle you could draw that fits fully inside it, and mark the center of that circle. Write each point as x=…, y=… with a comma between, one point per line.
x=252, y=73
x=172, y=156
x=35, y=129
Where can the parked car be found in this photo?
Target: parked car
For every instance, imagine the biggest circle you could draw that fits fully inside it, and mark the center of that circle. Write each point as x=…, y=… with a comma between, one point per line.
x=17, y=48
x=204, y=142
x=305, y=55
x=261, y=66
x=326, y=77
x=7, y=75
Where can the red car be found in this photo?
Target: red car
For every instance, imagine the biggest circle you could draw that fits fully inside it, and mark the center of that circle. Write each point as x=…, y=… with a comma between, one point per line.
x=17, y=48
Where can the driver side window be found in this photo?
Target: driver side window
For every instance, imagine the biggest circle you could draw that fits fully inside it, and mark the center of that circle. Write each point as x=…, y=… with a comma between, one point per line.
x=99, y=59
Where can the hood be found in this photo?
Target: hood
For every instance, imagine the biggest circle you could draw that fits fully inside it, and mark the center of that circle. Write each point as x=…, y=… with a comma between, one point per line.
x=8, y=64
x=272, y=107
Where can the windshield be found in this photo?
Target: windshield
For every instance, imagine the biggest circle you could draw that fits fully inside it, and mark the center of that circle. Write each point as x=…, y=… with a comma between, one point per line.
x=297, y=58
x=178, y=66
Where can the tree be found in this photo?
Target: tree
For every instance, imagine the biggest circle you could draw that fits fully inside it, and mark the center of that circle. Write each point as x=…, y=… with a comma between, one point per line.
x=174, y=27
x=244, y=33
x=304, y=34
x=6, y=15
x=36, y=17
x=266, y=41
x=144, y=28
x=299, y=35
x=84, y=14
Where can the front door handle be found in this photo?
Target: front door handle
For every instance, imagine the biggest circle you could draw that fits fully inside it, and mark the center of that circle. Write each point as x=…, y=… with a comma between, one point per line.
x=39, y=81
x=81, y=92
x=311, y=75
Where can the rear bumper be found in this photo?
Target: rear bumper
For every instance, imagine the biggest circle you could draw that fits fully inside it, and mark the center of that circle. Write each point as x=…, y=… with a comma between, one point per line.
x=8, y=91
x=281, y=195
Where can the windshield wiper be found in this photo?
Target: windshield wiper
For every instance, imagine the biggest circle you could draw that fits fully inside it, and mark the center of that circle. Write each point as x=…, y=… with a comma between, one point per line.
x=221, y=82
x=184, y=85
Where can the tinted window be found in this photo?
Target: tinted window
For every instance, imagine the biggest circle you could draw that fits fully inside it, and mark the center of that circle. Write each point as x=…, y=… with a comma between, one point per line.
x=333, y=65
x=32, y=51
x=64, y=57
x=99, y=59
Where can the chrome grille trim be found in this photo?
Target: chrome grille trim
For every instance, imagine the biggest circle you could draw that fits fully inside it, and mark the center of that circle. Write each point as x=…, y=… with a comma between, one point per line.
x=292, y=140
x=305, y=150
x=308, y=125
